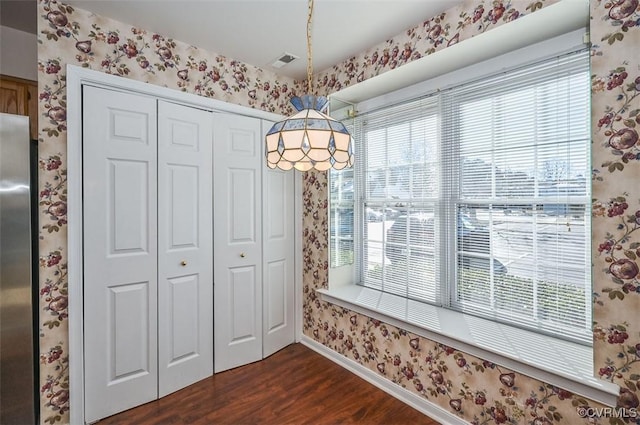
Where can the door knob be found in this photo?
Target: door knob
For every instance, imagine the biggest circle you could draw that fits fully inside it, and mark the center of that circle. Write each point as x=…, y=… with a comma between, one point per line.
x=242, y=255
x=183, y=263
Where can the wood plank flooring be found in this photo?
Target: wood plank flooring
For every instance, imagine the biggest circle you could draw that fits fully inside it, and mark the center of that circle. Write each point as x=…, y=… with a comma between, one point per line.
x=293, y=386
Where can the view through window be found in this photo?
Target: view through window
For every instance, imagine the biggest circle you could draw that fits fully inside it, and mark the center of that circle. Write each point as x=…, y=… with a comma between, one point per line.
x=477, y=198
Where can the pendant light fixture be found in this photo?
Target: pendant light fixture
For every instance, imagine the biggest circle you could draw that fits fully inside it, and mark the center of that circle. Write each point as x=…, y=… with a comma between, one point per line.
x=309, y=139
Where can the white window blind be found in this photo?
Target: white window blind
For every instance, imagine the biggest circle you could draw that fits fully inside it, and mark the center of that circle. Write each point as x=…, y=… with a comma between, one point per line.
x=520, y=144
x=341, y=217
x=477, y=197
x=400, y=175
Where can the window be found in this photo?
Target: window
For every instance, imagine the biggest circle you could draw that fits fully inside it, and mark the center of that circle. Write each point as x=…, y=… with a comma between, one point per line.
x=341, y=218
x=477, y=198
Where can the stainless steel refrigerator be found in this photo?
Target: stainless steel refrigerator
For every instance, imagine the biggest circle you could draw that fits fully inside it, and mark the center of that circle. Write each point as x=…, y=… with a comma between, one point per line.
x=18, y=392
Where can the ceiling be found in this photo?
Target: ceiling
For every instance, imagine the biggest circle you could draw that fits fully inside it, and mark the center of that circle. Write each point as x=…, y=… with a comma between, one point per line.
x=257, y=31
x=19, y=14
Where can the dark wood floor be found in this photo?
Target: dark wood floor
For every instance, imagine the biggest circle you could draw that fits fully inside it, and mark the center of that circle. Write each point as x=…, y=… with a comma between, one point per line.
x=293, y=386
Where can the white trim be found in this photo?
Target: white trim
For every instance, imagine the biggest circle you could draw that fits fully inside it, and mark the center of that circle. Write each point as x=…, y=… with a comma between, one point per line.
x=75, y=248
x=422, y=405
x=298, y=206
x=343, y=275
x=76, y=78
x=84, y=76
x=561, y=363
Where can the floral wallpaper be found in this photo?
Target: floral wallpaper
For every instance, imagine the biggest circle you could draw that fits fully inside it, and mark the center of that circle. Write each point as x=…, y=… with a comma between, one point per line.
x=474, y=389
x=67, y=35
x=615, y=69
x=467, y=19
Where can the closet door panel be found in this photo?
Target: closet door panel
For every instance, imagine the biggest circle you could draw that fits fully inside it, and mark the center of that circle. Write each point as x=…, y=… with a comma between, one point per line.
x=237, y=241
x=183, y=209
x=243, y=291
x=128, y=330
x=242, y=217
x=120, y=251
x=278, y=252
x=185, y=240
x=183, y=319
x=128, y=195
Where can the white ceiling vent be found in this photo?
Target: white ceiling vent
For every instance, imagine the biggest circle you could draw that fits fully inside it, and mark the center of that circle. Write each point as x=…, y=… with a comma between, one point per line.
x=284, y=59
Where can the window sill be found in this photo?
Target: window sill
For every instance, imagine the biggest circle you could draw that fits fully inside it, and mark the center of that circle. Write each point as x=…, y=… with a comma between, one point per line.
x=561, y=363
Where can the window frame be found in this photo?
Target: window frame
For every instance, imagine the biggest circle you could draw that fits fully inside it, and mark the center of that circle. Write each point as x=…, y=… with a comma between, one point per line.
x=457, y=200
x=557, y=362
x=446, y=273
x=386, y=202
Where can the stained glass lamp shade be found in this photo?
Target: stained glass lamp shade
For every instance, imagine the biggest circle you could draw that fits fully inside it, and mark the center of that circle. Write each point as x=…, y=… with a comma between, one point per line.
x=309, y=139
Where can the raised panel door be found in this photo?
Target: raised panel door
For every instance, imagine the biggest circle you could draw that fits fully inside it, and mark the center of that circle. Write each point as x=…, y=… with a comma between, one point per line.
x=237, y=241
x=185, y=245
x=278, y=258
x=120, y=251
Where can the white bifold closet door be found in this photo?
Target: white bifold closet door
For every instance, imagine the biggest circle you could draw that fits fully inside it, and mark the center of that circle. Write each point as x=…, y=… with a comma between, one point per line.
x=147, y=249
x=238, y=241
x=185, y=246
x=254, y=243
x=278, y=241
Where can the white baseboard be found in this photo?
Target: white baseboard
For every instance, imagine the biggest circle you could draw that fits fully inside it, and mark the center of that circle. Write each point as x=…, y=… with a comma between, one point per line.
x=432, y=410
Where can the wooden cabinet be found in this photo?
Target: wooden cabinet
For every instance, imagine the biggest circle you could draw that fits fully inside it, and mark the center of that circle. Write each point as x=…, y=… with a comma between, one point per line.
x=20, y=97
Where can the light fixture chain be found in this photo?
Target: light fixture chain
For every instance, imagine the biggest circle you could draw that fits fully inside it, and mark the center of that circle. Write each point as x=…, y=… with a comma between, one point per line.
x=323, y=143
x=309, y=50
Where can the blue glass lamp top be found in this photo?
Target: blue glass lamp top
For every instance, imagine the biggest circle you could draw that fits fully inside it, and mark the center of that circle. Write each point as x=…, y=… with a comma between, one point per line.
x=309, y=101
